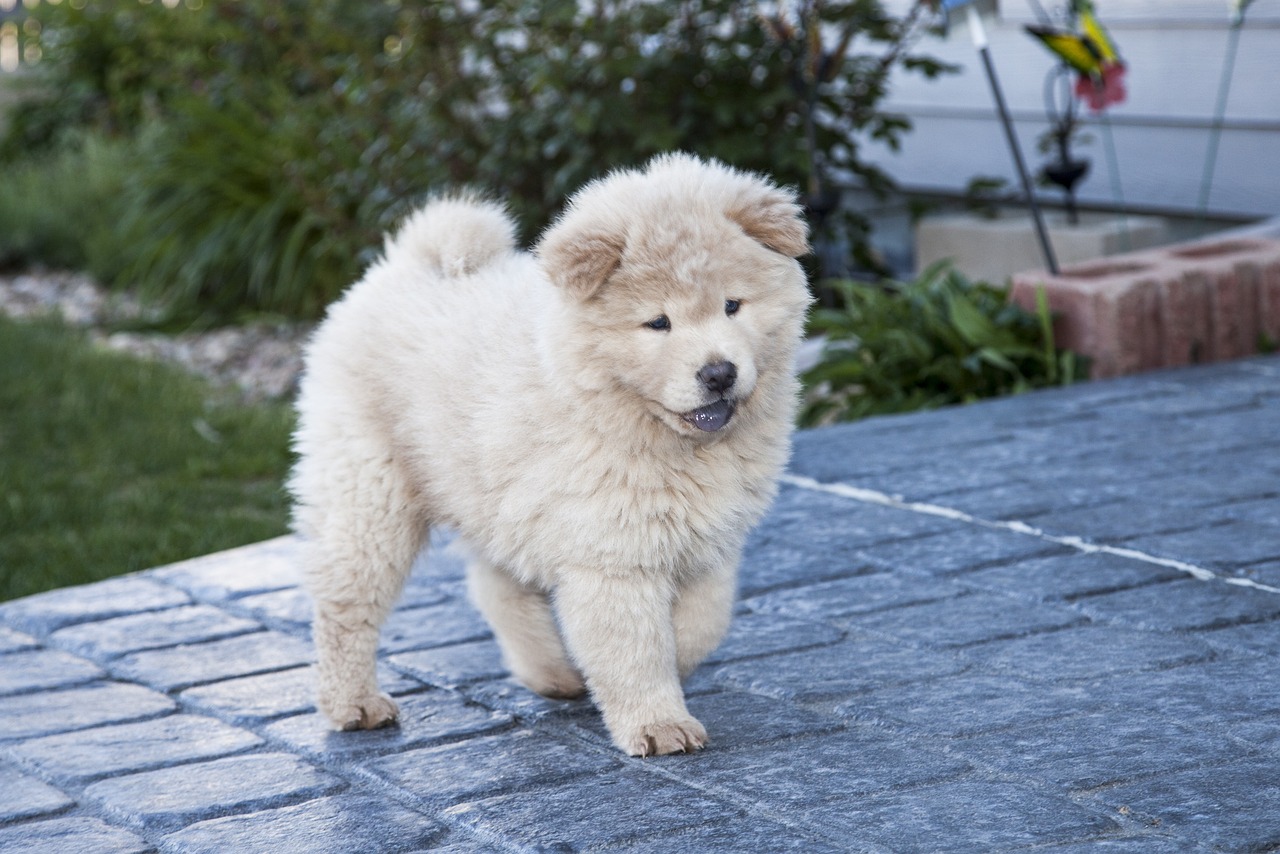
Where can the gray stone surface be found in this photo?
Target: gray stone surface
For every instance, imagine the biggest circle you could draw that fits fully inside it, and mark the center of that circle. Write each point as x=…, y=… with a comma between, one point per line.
x=968, y=814
x=267, y=696
x=11, y=641
x=38, y=669
x=633, y=803
x=453, y=666
x=23, y=796
x=334, y=825
x=1233, y=807
x=83, y=706
x=44, y=612
x=80, y=834
x=1047, y=622
x=177, y=796
x=491, y=765
x=425, y=718
x=196, y=664
x=123, y=748
x=152, y=630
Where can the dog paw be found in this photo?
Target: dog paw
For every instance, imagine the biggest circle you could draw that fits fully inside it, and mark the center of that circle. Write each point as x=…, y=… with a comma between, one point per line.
x=657, y=739
x=371, y=712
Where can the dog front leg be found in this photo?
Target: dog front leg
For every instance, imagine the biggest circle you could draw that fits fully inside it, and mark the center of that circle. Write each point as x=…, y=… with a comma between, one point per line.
x=619, y=631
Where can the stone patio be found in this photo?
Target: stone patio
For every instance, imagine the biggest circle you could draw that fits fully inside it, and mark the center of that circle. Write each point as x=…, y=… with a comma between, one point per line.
x=1047, y=622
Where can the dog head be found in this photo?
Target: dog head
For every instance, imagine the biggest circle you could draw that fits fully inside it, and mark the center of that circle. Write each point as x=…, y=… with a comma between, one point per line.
x=684, y=274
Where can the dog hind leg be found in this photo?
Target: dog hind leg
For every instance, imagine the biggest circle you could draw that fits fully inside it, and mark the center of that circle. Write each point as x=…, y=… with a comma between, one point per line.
x=701, y=614
x=364, y=531
x=525, y=627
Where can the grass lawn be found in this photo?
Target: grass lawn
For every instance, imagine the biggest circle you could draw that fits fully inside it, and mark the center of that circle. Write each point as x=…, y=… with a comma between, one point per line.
x=109, y=464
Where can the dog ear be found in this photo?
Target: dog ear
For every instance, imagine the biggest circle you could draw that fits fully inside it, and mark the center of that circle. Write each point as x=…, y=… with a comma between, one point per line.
x=772, y=217
x=580, y=261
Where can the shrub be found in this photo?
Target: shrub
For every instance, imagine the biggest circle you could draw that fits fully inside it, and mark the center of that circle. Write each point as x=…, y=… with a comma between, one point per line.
x=616, y=83
x=292, y=133
x=235, y=212
x=937, y=340
x=59, y=207
x=110, y=65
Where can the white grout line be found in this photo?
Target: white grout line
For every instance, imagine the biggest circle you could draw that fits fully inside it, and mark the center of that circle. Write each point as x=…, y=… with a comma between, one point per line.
x=872, y=496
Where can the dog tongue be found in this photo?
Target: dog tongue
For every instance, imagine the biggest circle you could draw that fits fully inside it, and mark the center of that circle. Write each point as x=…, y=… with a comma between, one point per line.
x=711, y=417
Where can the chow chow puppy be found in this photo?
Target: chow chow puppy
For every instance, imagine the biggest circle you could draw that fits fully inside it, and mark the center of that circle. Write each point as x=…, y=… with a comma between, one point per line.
x=602, y=421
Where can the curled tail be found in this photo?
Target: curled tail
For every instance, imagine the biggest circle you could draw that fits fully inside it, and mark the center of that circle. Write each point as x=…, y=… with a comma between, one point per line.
x=456, y=234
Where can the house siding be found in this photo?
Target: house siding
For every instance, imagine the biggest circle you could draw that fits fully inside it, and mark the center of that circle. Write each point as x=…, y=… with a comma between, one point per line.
x=1174, y=53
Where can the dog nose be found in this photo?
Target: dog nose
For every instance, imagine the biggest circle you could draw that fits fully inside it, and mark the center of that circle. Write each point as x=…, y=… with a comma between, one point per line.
x=718, y=377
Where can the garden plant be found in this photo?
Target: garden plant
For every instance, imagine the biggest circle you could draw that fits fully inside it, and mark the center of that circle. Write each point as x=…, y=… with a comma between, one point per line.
x=274, y=142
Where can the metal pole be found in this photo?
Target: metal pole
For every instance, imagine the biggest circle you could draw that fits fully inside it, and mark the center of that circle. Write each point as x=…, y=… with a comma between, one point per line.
x=980, y=42
x=1219, y=113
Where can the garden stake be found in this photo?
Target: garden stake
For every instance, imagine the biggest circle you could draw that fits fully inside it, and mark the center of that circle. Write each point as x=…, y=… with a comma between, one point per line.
x=1219, y=111
x=979, y=35
x=1113, y=166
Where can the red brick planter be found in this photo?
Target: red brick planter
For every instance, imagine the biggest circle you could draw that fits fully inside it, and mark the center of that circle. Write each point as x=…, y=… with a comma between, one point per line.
x=1177, y=305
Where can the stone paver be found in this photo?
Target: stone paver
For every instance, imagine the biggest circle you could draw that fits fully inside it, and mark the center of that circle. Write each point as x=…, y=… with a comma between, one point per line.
x=24, y=796
x=151, y=630
x=38, y=669
x=122, y=748
x=180, y=795
x=81, y=707
x=1046, y=622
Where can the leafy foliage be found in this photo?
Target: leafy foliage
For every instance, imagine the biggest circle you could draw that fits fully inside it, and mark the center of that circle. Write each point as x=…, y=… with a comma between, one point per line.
x=938, y=340
x=282, y=137
x=53, y=207
x=110, y=65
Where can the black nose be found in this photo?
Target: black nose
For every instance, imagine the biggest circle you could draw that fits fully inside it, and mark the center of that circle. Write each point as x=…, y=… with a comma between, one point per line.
x=718, y=377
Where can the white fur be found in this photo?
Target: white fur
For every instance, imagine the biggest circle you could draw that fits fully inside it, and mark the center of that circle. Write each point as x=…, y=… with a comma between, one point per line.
x=521, y=399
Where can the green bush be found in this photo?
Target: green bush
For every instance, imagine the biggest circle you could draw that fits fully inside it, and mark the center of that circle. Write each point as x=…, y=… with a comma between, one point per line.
x=287, y=136
x=110, y=66
x=938, y=340
x=616, y=83
x=60, y=207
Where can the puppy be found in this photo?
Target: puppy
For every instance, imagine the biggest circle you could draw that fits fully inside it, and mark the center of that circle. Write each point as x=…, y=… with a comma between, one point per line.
x=602, y=421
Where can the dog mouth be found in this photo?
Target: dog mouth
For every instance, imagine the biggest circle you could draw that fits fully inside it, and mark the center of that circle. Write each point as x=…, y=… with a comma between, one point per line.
x=712, y=417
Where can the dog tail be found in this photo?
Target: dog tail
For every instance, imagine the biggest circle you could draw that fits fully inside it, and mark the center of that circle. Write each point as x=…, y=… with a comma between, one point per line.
x=456, y=234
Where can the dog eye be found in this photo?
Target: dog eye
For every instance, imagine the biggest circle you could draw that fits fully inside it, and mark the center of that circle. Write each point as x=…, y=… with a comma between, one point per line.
x=660, y=322
x=731, y=306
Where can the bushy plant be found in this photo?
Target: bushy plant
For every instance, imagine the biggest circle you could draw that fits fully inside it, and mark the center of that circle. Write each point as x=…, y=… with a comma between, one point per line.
x=58, y=207
x=575, y=88
x=290, y=134
x=937, y=340
x=110, y=65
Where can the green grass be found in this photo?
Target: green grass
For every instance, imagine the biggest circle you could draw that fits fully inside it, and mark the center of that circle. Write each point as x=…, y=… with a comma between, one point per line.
x=109, y=464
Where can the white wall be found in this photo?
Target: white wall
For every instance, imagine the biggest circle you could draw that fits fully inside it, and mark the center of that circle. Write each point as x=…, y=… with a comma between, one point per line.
x=1174, y=51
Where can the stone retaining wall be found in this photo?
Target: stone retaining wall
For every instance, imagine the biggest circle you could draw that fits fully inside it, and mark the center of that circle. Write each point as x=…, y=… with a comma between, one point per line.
x=1177, y=305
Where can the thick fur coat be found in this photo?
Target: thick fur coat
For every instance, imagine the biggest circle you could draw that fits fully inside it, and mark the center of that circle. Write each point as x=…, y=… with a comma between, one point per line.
x=602, y=421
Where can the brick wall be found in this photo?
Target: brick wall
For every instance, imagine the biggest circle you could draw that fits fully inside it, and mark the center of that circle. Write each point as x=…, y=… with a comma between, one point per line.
x=1177, y=305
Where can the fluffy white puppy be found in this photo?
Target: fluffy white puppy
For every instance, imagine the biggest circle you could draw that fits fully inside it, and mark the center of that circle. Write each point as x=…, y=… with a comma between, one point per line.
x=602, y=421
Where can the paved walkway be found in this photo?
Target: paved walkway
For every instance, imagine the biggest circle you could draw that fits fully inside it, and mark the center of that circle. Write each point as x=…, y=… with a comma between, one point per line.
x=1045, y=622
